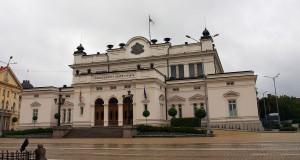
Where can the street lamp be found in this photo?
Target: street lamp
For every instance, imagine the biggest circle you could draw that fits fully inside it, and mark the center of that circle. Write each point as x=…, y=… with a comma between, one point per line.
x=274, y=83
x=265, y=105
x=205, y=92
x=60, y=101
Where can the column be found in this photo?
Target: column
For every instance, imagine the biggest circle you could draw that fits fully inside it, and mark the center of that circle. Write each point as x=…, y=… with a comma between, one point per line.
x=105, y=114
x=120, y=114
x=92, y=115
x=186, y=70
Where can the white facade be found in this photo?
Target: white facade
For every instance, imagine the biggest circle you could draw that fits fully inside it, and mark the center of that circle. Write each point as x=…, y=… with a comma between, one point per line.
x=158, y=76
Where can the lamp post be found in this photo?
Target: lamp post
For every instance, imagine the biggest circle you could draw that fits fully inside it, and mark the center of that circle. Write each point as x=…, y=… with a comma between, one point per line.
x=265, y=105
x=60, y=101
x=205, y=92
x=274, y=83
x=206, y=106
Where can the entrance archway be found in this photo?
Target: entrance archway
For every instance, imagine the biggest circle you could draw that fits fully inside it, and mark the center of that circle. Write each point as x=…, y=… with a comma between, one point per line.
x=113, y=112
x=127, y=111
x=99, y=112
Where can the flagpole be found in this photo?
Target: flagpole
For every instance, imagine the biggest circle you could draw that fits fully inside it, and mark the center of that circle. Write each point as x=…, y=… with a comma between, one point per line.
x=149, y=28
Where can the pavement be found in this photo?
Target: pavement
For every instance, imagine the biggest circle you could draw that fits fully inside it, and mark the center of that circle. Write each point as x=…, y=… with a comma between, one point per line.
x=226, y=145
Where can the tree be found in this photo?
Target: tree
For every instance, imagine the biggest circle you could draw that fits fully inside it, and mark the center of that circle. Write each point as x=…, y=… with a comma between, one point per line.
x=172, y=112
x=146, y=114
x=34, y=118
x=14, y=119
x=200, y=113
x=289, y=108
x=56, y=116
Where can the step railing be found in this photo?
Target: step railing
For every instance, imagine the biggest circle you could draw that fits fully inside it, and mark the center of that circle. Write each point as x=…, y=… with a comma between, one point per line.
x=17, y=155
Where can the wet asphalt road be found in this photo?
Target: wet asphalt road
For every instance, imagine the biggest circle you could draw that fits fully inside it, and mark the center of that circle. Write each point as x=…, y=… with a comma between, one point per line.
x=228, y=146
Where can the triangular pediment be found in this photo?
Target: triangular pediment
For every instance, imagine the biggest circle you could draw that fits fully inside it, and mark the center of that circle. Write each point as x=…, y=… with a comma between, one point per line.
x=35, y=104
x=8, y=77
x=68, y=103
x=231, y=94
x=197, y=97
x=176, y=98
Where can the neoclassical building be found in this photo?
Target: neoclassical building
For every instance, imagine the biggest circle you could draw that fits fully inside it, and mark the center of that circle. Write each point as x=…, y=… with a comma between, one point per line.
x=10, y=91
x=114, y=88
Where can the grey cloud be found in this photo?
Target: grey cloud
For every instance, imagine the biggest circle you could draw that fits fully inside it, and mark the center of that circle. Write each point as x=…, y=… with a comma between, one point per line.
x=254, y=34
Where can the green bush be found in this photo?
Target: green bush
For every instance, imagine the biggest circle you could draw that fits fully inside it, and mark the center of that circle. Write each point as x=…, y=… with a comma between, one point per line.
x=14, y=119
x=200, y=113
x=185, y=122
x=146, y=113
x=172, y=112
x=30, y=131
x=190, y=130
x=296, y=121
x=288, y=128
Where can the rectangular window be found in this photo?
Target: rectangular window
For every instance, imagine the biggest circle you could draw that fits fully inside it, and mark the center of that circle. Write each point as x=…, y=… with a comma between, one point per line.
x=181, y=71
x=98, y=88
x=127, y=86
x=173, y=72
x=36, y=96
x=81, y=110
x=64, y=116
x=35, y=113
x=231, y=83
x=69, y=115
x=200, y=70
x=180, y=110
x=113, y=87
x=7, y=93
x=192, y=70
x=175, y=89
x=232, y=108
x=197, y=87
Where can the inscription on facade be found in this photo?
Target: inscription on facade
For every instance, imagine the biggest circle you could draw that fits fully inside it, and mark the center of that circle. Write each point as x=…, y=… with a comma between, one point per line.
x=114, y=76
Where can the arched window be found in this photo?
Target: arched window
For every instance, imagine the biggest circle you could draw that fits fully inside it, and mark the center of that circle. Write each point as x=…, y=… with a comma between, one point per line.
x=7, y=104
x=13, y=107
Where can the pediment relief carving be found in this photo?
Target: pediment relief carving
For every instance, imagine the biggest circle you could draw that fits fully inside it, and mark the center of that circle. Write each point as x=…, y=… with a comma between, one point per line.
x=161, y=98
x=81, y=104
x=145, y=101
x=68, y=103
x=197, y=97
x=35, y=104
x=231, y=94
x=176, y=99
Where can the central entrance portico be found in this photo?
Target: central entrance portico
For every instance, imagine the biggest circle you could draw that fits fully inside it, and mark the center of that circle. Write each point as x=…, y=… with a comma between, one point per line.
x=113, y=112
x=99, y=112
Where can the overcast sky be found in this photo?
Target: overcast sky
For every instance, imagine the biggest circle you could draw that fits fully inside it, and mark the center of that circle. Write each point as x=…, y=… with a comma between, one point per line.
x=258, y=35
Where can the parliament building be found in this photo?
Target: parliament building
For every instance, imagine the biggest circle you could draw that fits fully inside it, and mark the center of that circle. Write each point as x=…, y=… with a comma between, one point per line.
x=114, y=88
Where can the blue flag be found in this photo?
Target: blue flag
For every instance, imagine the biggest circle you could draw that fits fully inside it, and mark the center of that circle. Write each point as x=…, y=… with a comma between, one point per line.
x=145, y=94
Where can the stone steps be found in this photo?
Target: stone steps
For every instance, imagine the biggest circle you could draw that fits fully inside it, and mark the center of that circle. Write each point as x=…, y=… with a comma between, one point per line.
x=96, y=132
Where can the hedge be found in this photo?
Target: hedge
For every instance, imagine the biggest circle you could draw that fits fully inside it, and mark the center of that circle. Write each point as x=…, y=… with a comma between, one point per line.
x=288, y=129
x=190, y=130
x=185, y=122
x=30, y=131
